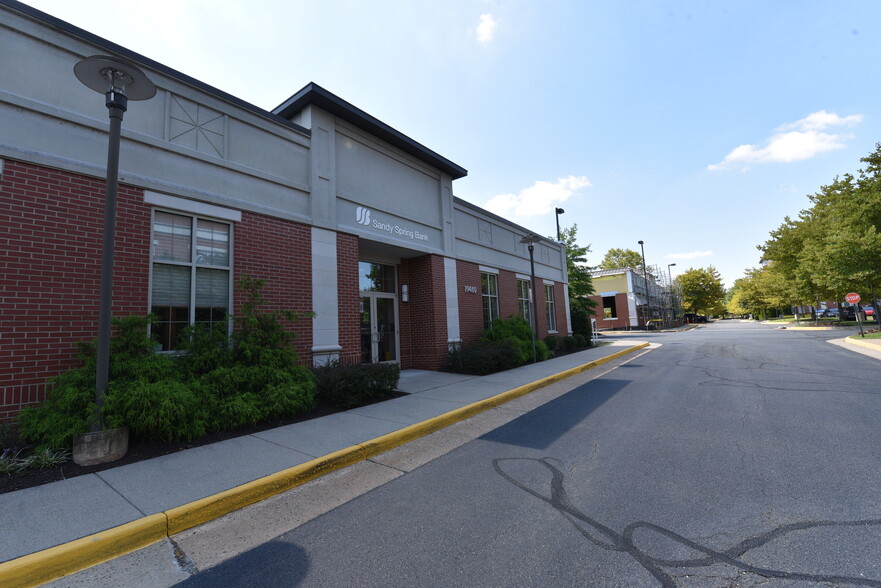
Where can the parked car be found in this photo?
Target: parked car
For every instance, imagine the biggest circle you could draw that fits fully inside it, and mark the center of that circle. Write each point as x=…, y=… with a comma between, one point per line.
x=831, y=312
x=691, y=317
x=870, y=311
x=848, y=313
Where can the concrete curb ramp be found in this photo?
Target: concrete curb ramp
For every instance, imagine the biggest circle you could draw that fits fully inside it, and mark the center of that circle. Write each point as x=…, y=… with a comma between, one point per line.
x=53, y=563
x=863, y=343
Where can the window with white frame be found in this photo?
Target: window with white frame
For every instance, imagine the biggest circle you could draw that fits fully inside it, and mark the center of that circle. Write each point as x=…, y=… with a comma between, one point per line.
x=489, y=285
x=523, y=299
x=190, y=274
x=549, y=306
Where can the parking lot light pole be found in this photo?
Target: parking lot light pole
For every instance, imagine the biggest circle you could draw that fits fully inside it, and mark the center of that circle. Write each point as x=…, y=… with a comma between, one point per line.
x=530, y=241
x=672, y=296
x=120, y=82
x=645, y=280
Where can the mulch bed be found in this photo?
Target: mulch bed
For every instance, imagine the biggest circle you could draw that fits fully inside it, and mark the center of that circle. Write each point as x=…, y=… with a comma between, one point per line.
x=139, y=451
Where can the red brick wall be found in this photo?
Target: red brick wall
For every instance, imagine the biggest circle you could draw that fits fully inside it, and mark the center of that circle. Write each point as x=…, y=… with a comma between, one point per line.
x=349, y=299
x=423, y=320
x=51, y=224
x=50, y=256
x=622, y=320
x=470, y=305
x=279, y=252
x=508, y=294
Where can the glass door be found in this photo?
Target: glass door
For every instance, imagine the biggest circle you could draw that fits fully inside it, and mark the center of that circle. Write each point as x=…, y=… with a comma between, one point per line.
x=379, y=328
x=379, y=313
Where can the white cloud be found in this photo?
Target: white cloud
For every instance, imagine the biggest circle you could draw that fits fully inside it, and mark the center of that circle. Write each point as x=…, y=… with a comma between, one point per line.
x=540, y=198
x=692, y=255
x=797, y=141
x=486, y=30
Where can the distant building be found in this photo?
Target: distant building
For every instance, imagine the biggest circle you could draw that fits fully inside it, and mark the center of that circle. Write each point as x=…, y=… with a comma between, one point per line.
x=625, y=300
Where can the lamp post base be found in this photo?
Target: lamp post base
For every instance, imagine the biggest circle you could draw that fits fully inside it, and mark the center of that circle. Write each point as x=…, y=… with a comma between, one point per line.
x=100, y=447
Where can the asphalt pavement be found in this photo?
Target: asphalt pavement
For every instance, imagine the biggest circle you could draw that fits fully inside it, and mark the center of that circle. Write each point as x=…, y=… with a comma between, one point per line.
x=58, y=528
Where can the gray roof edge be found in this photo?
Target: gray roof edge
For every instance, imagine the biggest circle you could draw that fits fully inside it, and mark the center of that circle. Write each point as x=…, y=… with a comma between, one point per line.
x=112, y=47
x=312, y=93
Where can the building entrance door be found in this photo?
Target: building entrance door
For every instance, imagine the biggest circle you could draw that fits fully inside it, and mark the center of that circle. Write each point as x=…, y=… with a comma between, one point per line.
x=379, y=328
x=379, y=313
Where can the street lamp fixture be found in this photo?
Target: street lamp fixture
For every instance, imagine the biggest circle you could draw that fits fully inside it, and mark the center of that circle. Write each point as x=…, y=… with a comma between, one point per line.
x=558, y=211
x=120, y=82
x=530, y=241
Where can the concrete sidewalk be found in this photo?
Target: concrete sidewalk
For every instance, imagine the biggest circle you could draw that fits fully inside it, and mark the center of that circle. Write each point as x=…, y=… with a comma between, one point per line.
x=58, y=528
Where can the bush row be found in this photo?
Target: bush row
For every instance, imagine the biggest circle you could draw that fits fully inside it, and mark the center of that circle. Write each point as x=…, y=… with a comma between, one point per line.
x=505, y=345
x=219, y=382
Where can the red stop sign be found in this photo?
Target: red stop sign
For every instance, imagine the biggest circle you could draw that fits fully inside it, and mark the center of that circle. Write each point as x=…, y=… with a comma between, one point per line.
x=853, y=297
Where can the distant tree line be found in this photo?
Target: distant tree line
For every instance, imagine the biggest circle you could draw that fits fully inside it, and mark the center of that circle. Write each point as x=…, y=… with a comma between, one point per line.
x=831, y=248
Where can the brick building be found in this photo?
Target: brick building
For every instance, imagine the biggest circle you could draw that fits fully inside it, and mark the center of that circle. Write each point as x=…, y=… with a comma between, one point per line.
x=341, y=214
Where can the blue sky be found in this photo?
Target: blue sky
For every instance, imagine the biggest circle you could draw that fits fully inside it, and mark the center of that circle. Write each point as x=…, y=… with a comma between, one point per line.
x=692, y=125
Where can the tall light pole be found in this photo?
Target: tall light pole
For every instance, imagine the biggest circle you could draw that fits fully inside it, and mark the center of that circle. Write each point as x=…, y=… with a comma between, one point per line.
x=645, y=279
x=530, y=241
x=672, y=297
x=120, y=82
x=558, y=211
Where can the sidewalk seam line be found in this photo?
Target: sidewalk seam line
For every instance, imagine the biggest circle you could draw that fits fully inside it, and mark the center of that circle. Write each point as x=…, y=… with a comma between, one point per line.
x=109, y=485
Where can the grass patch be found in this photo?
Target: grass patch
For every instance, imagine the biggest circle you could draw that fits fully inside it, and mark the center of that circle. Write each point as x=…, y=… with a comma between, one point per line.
x=868, y=336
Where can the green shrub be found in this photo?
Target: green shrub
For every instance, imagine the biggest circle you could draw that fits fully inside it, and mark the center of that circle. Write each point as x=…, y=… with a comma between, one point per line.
x=541, y=351
x=551, y=342
x=350, y=386
x=164, y=410
x=580, y=341
x=486, y=357
x=569, y=343
x=67, y=412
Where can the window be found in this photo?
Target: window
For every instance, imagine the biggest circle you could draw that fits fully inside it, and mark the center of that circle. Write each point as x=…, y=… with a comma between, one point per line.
x=489, y=285
x=549, y=305
x=523, y=299
x=191, y=274
x=609, y=310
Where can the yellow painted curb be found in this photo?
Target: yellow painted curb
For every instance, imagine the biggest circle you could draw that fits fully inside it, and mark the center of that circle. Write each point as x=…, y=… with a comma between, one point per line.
x=401, y=436
x=51, y=564
x=55, y=562
x=206, y=509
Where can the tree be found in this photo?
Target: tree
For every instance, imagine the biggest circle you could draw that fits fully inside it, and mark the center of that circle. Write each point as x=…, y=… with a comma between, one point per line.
x=702, y=290
x=580, y=283
x=617, y=258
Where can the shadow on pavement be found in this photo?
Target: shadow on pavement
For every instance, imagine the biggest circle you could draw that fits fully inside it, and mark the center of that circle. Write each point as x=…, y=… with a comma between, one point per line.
x=540, y=427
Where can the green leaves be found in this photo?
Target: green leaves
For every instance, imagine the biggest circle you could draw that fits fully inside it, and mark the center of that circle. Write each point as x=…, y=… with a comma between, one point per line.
x=702, y=291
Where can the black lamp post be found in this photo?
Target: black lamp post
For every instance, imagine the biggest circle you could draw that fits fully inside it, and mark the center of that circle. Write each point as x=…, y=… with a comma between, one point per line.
x=120, y=82
x=645, y=279
x=672, y=296
x=530, y=241
x=558, y=211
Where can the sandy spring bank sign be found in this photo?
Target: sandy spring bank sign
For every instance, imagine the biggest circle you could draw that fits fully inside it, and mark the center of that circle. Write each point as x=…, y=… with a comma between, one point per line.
x=378, y=223
x=363, y=217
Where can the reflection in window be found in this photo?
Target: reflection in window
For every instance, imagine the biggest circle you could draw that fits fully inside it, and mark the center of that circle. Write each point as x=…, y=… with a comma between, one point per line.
x=191, y=275
x=549, y=305
x=489, y=286
x=376, y=277
x=523, y=299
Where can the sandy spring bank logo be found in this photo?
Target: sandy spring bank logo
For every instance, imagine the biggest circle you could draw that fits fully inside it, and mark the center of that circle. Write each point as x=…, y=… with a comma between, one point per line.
x=362, y=215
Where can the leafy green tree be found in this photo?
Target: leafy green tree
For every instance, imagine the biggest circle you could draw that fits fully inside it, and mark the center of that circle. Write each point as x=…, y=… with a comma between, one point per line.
x=617, y=258
x=702, y=290
x=580, y=283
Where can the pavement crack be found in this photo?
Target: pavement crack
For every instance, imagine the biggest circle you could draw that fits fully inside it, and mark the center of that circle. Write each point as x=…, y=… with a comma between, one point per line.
x=182, y=560
x=385, y=465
